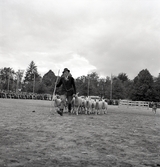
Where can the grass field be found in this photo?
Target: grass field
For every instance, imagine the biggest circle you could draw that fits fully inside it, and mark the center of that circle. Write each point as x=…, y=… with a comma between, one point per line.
x=124, y=137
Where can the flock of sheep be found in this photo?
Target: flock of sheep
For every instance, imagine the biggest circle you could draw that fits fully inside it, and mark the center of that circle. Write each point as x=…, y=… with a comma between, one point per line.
x=83, y=105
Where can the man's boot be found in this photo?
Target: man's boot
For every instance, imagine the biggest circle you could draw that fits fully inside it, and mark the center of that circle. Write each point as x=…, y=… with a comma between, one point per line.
x=60, y=112
x=69, y=108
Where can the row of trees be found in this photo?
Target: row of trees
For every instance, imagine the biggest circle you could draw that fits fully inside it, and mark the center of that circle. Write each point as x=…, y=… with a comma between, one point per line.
x=143, y=87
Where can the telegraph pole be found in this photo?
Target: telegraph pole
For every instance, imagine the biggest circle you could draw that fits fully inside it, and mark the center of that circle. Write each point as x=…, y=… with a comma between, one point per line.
x=17, y=86
x=111, y=89
x=88, y=86
x=33, y=71
x=0, y=81
x=34, y=82
x=8, y=79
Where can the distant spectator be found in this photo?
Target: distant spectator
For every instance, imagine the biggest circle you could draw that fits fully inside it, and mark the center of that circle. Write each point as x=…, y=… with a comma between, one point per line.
x=154, y=107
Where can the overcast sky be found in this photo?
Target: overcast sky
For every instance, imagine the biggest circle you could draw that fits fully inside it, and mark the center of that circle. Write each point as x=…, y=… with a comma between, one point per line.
x=103, y=36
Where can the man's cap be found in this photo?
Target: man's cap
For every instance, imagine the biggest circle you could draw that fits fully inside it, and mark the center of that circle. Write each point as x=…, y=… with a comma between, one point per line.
x=66, y=69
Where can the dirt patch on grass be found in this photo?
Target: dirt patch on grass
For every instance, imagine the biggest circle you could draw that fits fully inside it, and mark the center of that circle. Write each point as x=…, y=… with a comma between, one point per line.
x=123, y=137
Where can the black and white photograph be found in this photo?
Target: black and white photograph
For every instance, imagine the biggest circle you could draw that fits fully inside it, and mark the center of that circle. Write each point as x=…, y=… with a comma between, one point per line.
x=79, y=83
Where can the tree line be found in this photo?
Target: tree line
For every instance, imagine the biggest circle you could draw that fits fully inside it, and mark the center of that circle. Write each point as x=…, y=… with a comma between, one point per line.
x=144, y=87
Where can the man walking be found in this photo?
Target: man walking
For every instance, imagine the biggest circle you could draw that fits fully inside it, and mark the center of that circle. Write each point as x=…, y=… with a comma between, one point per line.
x=68, y=88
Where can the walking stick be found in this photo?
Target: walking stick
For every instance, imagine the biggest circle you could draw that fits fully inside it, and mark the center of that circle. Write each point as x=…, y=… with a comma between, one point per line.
x=54, y=92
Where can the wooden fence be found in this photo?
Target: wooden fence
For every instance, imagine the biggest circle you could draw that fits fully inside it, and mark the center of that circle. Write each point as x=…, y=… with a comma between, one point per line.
x=135, y=104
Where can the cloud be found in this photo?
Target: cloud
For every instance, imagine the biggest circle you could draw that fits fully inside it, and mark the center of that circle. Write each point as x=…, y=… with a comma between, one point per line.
x=78, y=65
x=105, y=36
